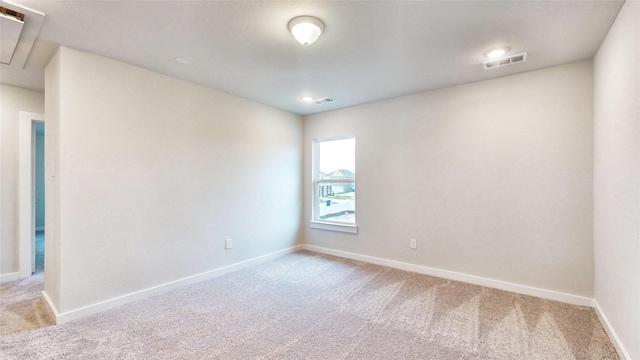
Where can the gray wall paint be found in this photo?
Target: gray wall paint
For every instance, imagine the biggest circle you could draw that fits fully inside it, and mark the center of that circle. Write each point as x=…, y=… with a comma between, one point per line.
x=617, y=177
x=493, y=178
x=12, y=101
x=154, y=173
x=40, y=204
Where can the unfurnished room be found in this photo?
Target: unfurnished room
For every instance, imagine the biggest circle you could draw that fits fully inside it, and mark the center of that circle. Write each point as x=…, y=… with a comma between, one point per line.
x=320, y=180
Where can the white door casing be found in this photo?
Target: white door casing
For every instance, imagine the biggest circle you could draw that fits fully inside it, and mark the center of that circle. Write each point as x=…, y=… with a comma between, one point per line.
x=26, y=191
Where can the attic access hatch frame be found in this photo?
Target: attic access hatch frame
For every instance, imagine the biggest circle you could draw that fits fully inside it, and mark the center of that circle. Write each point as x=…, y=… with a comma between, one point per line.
x=32, y=22
x=11, y=24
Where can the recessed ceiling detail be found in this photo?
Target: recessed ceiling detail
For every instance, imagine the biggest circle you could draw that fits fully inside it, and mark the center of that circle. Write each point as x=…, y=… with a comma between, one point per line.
x=505, y=61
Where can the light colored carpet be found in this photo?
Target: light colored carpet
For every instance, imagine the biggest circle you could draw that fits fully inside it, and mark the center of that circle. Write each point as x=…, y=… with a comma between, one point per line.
x=21, y=307
x=311, y=306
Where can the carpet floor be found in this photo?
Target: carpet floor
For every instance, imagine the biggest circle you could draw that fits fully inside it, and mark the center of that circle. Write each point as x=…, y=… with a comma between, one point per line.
x=21, y=307
x=311, y=306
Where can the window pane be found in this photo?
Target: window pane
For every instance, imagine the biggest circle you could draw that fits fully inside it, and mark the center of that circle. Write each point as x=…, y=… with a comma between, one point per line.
x=336, y=202
x=337, y=156
x=335, y=180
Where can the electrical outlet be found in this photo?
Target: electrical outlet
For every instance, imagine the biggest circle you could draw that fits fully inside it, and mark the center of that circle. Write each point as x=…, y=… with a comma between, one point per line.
x=413, y=243
x=227, y=244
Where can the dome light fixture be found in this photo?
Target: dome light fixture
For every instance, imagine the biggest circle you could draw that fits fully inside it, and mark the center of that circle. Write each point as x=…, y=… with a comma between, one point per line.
x=306, y=29
x=308, y=99
x=496, y=53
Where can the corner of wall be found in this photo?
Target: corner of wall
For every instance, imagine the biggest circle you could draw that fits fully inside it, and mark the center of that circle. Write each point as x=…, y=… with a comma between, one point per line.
x=52, y=206
x=616, y=185
x=615, y=340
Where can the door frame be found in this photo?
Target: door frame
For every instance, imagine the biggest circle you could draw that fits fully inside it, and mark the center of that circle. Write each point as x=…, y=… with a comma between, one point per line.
x=26, y=189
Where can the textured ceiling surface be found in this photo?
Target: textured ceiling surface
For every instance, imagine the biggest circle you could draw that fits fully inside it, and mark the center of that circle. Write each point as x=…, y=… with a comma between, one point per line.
x=368, y=52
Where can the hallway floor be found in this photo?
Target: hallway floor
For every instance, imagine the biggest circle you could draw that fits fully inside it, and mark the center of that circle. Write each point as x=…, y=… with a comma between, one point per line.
x=21, y=306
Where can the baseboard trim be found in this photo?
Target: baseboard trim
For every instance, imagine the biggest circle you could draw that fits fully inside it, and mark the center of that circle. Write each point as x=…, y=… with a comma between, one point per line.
x=64, y=317
x=622, y=352
x=9, y=277
x=471, y=279
x=50, y=306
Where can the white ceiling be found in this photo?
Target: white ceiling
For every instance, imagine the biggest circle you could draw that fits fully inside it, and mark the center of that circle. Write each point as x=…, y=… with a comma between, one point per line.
x=369, y=50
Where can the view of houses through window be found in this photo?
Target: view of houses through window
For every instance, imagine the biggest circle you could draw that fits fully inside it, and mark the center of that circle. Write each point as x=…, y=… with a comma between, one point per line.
x=335, y=180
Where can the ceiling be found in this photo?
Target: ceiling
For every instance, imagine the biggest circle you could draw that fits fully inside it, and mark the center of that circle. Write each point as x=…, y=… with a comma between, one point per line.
x=369, y=50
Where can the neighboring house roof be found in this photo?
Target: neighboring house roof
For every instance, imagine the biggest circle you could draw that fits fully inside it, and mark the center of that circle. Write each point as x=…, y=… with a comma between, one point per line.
x=339, y=174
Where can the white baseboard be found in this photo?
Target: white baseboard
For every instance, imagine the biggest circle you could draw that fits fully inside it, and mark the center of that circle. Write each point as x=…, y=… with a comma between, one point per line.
x=9, y=277
x=64, y=317
x=471, y=279
x=47, y=300
x=622, y=352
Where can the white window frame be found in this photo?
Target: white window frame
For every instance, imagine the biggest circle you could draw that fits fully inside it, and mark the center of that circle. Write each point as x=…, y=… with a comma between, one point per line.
x=327, y=224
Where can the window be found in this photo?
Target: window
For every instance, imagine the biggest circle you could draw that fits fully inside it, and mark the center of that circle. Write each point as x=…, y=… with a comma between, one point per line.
x=334, y=184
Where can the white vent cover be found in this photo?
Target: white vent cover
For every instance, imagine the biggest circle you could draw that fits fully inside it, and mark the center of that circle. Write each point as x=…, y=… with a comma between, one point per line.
x=323, y=101
x=505, y=61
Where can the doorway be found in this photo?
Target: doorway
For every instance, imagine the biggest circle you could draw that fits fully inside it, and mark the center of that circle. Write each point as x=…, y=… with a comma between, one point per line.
x=38, y=178
x=31, y=193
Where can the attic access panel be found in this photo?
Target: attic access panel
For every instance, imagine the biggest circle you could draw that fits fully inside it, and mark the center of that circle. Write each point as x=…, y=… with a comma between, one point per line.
x=11, y=23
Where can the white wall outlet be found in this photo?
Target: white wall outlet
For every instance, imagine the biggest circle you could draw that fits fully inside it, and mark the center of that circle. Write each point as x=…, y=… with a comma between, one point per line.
x=227, y=244
x=413, y=243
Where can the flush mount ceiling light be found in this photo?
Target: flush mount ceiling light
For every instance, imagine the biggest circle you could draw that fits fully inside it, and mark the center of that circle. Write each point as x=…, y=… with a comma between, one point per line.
x=496, y=53
x=307, y=99
x=306, y=29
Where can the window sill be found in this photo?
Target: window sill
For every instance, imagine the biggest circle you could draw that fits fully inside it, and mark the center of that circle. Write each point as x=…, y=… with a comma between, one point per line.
x=348, y=228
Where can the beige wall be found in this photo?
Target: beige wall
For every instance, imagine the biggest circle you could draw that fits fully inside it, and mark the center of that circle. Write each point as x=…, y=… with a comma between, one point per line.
x=154, y=173
x=617, y=178
x=12, y=101
x=52, y=186
x=493, y=178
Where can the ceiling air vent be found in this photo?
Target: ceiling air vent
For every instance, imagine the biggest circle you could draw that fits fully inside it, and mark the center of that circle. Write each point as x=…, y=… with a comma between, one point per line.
x=505, y=61
x=323, y=101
